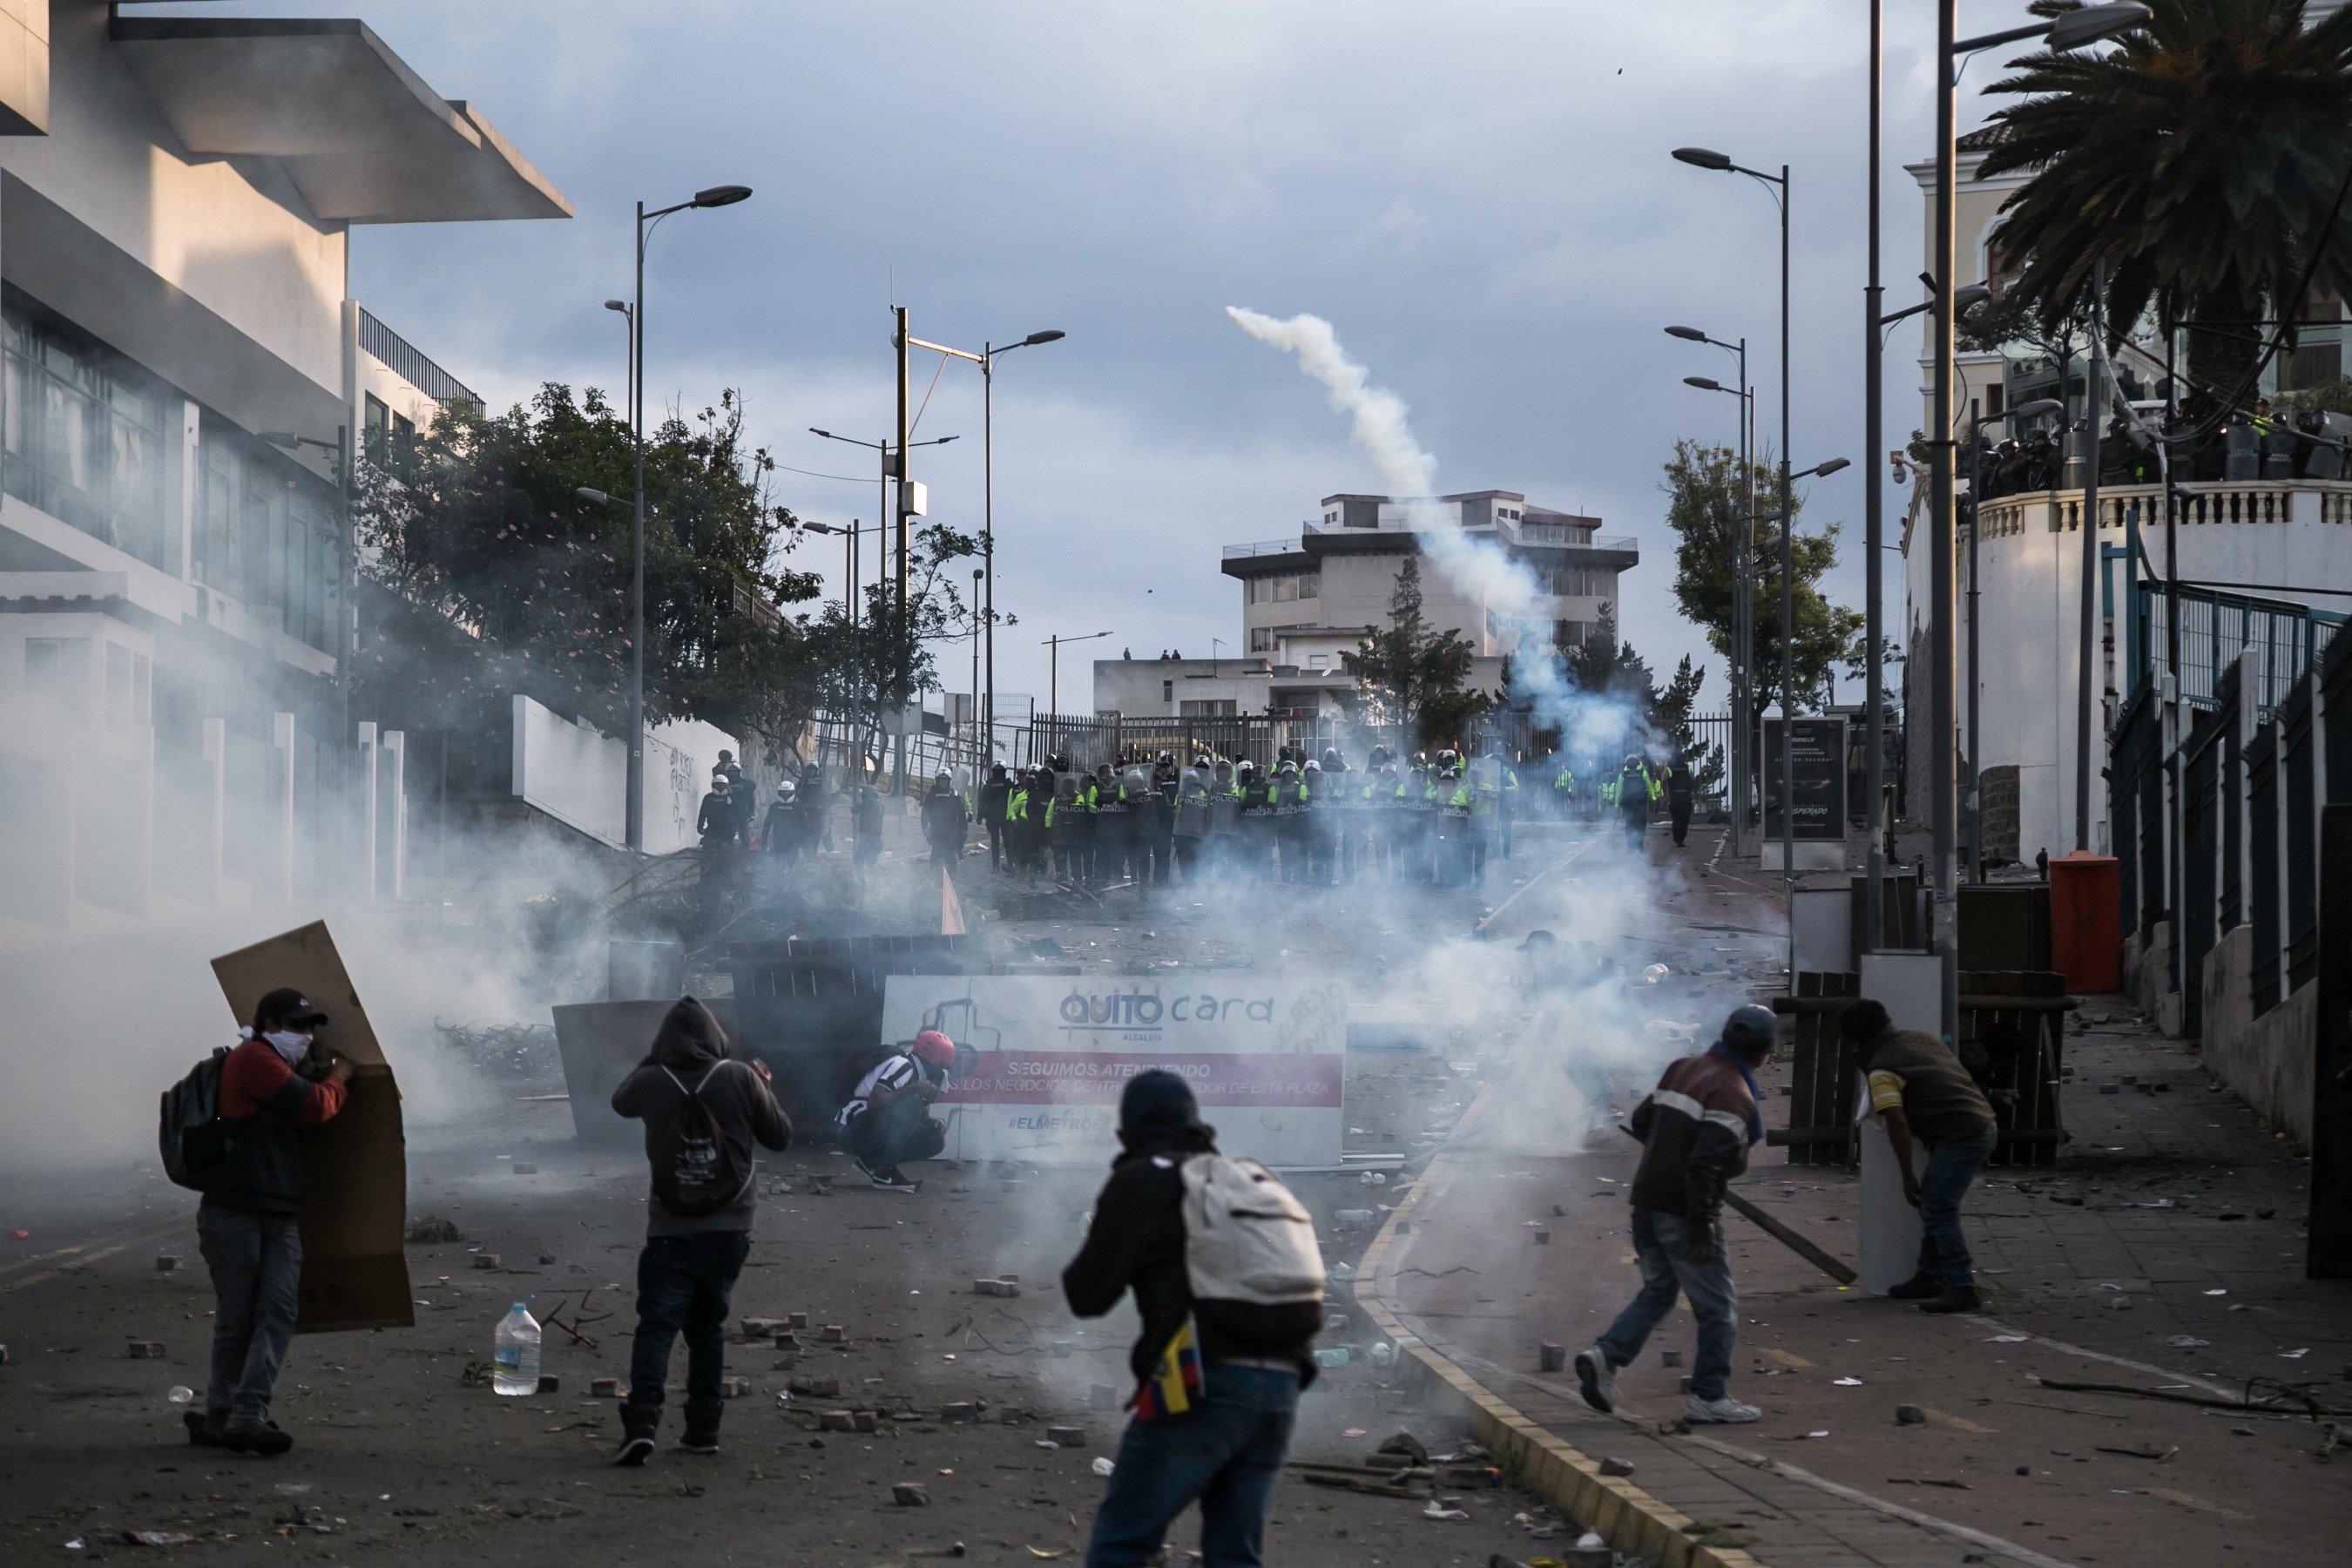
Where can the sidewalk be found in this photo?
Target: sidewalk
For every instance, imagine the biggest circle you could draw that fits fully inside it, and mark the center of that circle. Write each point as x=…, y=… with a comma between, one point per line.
x=2004, y=1468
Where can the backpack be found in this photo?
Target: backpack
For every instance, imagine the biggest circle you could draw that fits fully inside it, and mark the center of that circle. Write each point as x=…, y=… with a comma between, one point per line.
x=1246, y=1238
x=194, y=1144
x=696, y=1172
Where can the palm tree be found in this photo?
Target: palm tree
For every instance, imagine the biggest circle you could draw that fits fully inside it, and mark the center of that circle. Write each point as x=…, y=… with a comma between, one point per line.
x=2205, y=159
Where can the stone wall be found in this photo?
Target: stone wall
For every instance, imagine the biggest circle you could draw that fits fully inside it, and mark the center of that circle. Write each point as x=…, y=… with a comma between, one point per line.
x=2268, y=1060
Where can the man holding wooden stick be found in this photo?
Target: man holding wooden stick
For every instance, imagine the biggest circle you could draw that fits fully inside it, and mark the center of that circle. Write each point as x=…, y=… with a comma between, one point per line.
x=1696, y=1128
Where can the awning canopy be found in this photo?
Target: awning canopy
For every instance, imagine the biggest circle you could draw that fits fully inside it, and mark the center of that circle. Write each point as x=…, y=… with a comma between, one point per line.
x=361, y=136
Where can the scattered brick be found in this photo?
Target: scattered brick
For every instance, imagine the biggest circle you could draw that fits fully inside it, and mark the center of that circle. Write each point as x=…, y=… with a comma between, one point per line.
x=817, y=1387
x=146, y=1350
x=604, y=1387
x=1910, y=1416
x=1613, y=1466
x=796, y=1320
x=836, y=1421
x=167, y=1263
x=833, y=1334
x=733, y=1388
x=550, y=1383
x=866, y=1420
x=911, y=1494
x=1066, y=1437
x=485, y=1260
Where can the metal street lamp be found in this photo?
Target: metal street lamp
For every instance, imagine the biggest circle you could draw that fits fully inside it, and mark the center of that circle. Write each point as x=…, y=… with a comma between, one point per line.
x=2072, y=30
x=986, y=359
x=1742, y=564
x=714, y=196
x=1054, y=677
x=1778, y=186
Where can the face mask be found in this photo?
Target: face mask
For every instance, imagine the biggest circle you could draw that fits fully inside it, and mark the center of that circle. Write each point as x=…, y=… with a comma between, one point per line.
x=287, y=1044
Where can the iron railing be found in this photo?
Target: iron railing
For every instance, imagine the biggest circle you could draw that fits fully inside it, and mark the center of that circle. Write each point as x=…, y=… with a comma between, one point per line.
x=405, y=359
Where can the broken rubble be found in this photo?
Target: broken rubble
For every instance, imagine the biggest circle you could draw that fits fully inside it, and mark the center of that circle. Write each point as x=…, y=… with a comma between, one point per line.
x=911, y=1494
x=1613, y=1466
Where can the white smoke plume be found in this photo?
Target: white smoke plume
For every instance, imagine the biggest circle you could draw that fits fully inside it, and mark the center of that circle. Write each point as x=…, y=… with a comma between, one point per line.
x=1382, y=428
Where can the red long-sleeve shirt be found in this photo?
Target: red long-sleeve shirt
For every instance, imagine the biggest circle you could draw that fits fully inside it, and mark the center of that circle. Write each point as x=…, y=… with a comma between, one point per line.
x=262, y=1101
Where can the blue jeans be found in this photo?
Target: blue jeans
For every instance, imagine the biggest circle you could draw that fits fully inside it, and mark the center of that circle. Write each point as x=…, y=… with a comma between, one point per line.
x=1227, y=1451
x=683, y=1285
x=257, y=1266
x=1662, y=1244
x=1943, y=1251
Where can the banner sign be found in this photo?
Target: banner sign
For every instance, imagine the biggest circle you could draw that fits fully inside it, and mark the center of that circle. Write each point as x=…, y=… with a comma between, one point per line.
x=1817, y=764
x=1042, y=1060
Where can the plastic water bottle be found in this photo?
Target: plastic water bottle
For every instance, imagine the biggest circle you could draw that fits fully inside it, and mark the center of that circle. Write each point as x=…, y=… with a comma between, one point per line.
x=514, y=1353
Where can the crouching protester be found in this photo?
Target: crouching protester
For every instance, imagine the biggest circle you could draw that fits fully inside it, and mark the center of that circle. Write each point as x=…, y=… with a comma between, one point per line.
x=1921, y=1091
x=887, y=1119
x=247, y=1225
x=703, y=1108
x=1696, y=1128
x=1229, y=1284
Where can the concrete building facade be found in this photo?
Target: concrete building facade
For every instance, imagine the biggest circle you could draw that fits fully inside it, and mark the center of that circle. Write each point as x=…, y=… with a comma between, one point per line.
x=186, y=378
x=1308, y=599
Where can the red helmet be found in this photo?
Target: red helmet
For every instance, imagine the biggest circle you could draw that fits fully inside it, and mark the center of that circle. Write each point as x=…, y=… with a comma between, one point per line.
x=934, y=1047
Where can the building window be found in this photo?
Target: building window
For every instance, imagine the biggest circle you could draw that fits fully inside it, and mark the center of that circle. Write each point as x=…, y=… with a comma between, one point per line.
x=1318, y=661
x=57, y=675
x=1167, y=692
x=1286, y=589
x=1207, y=707
x=265, y=535
x=85, y=434
x=1261, y=639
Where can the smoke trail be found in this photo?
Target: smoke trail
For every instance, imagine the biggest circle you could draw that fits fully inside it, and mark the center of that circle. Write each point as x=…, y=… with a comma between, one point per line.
x=1590, y=723
x=1381, y=427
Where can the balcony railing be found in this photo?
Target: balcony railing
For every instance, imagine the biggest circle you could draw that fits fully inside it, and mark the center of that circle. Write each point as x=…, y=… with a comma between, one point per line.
x=405, y=359
x=2203, y=503
x=1262, y=547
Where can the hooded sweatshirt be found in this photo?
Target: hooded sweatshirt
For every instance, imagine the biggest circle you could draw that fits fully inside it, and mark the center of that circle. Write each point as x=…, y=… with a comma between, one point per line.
x=1137, y=1240
x=690, y=1055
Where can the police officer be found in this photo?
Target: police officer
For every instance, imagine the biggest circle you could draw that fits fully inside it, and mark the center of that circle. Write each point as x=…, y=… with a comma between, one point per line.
x=1189, y=822
x=1633, y=801
x=1293, y=795
x=994, y=795
x=1113, y=826
x=1256, y=844
x=1222, y=849
x=1680, y=794
x=1563, y=787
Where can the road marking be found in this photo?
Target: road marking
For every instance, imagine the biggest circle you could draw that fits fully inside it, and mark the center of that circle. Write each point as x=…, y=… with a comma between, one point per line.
x=2186, y=1500
x=1528, y=886
x=86, y=1257
x=1997, y=1326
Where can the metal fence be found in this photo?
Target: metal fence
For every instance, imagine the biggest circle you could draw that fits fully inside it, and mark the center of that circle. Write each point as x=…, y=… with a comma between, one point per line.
x=2216, y=630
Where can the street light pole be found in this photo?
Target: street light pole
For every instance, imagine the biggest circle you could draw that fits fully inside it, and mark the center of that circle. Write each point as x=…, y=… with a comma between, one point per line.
x=634, y=812
x=2086, y=691
x=903, y=634
x=1743, y=648
x=1874, y=509
x=1054, y=675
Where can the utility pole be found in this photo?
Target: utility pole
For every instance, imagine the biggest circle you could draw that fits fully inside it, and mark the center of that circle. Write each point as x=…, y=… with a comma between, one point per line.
x=1788, y=613
x=1874, y=721
x=903, y=636
x=2086, y=693
x=1943, y=808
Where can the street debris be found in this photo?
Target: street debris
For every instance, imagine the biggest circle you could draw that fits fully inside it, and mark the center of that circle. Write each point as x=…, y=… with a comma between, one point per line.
x=1613, y=1466
x=911, y=1494
x=1910, y=1416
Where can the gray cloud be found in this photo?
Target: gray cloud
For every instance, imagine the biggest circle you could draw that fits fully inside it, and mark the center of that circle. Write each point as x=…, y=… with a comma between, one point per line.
x=1478, y=197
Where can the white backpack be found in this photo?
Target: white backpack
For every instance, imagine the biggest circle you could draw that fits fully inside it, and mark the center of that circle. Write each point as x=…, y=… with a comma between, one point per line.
x=1246, y=1238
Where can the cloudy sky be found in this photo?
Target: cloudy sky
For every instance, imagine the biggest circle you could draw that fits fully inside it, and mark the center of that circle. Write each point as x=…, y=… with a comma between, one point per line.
x=1477, y=194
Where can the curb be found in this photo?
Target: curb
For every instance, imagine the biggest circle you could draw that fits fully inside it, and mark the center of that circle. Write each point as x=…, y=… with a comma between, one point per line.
x=1629, y=1518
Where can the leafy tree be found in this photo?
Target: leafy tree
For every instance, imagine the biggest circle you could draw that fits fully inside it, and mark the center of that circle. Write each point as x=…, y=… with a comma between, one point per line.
x=1706, y=499
x=2200, y=157
x=493, y=576
x=1411, y=676
x=884, y=661
x=1603, y=664
x=1672, y=711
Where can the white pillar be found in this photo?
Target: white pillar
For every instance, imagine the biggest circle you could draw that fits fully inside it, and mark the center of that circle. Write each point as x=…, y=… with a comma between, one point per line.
x=367, y=749
x=395, y=762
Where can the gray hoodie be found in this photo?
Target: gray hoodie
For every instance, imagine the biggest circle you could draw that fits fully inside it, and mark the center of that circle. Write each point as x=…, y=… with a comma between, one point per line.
x=692, y=1049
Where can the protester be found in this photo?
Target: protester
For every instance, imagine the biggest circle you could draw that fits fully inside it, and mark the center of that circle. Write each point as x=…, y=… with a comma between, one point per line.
x=703, y=1108
x=247, y=1227
x=885, y=1119
x=1696, y=1128
x=1218, y=1376
x=1920, y=1090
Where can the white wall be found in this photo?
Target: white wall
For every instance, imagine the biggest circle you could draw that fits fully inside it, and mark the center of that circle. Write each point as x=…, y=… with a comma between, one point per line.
x=679, y=757
x=204, y=227
x=570, y=772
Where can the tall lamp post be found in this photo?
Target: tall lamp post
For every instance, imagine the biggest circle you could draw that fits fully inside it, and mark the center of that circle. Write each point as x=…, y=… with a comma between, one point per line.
x=1778, y=186
x=1054, y=674
x=716, y=196
x=1743, y=643
x=2070, y=30
x=986, y=359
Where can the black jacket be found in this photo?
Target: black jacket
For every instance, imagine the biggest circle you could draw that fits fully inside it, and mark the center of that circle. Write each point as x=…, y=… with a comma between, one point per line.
x=692, y=1049
x=1138, y=1240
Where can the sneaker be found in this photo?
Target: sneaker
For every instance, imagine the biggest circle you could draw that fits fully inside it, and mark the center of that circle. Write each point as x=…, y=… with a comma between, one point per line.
x=1724, y=1412
x=892, y=1181
x=701, y=1433
x=1960, y=1298
x=204, y=1431
x=1595, y=1377
x=868, y=1172
x=1919, y=1288
x=266, y=1439
x=637, y=1425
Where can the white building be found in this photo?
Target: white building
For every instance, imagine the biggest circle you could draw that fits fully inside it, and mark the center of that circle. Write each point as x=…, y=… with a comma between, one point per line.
x=1307, y=600
x=185, y=370
x=2276, y=538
